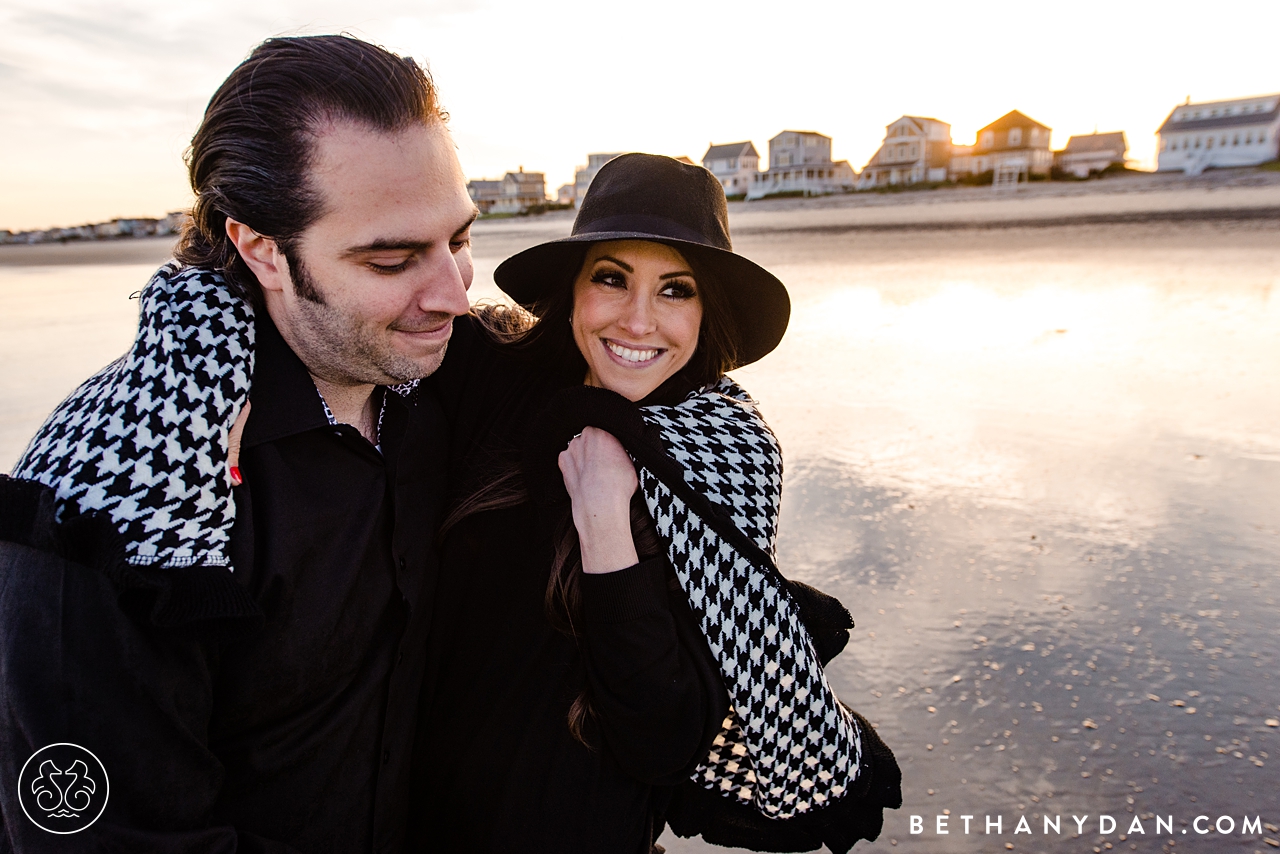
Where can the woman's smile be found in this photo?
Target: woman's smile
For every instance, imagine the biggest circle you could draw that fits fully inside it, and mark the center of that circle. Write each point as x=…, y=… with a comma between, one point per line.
x=632, y=356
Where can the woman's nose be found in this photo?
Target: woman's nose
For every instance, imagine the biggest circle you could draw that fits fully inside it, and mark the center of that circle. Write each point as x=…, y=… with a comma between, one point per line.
x=638, y=317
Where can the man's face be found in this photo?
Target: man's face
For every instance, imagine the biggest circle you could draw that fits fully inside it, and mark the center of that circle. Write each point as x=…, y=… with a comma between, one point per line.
x=377, y=280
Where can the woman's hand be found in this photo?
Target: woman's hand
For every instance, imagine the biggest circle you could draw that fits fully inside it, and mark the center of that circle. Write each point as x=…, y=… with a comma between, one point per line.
x=600, y=479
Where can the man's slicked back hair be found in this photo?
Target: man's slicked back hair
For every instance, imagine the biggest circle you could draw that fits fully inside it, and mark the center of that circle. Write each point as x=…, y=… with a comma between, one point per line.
x=250, y=159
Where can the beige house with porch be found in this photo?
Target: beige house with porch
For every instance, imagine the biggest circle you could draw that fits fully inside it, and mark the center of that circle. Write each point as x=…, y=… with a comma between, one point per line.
x=800, y=164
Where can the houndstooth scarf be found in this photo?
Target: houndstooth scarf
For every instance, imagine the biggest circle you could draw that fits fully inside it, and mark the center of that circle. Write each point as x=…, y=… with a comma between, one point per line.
x=788, y=745
x=145, y=440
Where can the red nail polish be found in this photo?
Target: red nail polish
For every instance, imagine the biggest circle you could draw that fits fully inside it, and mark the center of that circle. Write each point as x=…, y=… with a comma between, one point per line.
x=236, y=479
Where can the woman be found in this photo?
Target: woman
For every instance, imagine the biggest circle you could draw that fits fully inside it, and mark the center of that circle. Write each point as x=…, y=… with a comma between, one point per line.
x=580, y=653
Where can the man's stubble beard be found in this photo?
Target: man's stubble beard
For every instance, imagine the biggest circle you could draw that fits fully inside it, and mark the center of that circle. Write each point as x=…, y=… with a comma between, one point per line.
x=339, y=347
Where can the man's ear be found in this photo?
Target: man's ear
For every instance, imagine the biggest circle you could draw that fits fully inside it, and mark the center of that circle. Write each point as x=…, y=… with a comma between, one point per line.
x=261, y=254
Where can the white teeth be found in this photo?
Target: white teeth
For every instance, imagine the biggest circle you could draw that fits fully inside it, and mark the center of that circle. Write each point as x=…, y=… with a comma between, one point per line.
x=631, y=355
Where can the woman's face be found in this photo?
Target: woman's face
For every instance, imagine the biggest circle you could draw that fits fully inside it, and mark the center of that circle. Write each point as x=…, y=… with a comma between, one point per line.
x=636, y=315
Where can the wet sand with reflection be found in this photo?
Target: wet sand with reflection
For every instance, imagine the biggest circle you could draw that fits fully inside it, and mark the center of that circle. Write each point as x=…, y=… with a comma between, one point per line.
x=1040, y=465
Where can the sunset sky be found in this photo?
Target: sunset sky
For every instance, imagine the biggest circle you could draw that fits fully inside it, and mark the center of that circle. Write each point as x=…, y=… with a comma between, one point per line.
x=98, y=101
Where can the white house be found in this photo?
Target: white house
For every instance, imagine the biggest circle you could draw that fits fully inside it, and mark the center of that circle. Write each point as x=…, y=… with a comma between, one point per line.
x=520, y=191
x=1243, y=132
x=1091, y=153
x=800, y=163
x=566, y=194
x=584, y=175
x=1013, y=141
x=734, y=164
x=915, y=149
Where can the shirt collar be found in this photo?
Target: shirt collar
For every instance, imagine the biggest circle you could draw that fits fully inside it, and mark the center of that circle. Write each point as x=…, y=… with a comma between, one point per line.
x=283, y=394
x=285, y=399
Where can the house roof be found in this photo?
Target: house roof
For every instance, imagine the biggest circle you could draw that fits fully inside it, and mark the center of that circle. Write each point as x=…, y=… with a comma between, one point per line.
x=731, y=149
x=801, y=133
x=1093, y=142
x=525, y=177
x=1214, y=122
x=1013, y=119
x=925, y=119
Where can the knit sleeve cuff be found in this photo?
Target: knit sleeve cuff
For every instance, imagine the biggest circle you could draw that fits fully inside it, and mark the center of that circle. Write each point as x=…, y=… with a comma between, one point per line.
x=628, y=594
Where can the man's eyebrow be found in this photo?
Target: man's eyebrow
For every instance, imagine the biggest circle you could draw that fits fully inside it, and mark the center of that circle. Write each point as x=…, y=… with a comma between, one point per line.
x=384, y=244
x=621, y=264
x=475, y=214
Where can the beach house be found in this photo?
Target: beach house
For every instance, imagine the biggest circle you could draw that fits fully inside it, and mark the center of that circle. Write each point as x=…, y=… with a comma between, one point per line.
x=800, y=164
x=584, y=175
x=915, y=149
x=734, y=164
x=1091, y=153
x=519, y=191
x=1241, y=132
x=1014, y=142
x=484, y=193
x=514, y=192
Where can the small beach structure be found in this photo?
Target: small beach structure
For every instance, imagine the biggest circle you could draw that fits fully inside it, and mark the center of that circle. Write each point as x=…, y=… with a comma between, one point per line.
x=484, y=193
x=1091, y=153
x=584, y=175
x=514, y=192
x=915, y=149
x=800, y=164
x=734, y=164
x=1240, y=132
x=521, y=190
x=1014, y=144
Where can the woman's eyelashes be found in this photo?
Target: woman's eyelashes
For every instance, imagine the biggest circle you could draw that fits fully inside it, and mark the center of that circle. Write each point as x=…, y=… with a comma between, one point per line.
x=609, y=278
x=678, y=289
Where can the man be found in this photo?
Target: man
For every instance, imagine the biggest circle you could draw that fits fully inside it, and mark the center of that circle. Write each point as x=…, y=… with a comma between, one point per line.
x=272, y=709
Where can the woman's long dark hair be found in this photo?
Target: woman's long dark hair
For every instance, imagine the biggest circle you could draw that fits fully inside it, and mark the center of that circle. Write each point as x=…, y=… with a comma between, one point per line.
x=545, y=335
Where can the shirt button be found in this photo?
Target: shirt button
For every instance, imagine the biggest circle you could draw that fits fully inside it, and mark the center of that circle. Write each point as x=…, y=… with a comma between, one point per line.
x=402, y=564
x=386, y=756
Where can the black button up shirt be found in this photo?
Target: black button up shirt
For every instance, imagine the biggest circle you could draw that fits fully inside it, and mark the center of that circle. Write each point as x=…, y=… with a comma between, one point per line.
x=315, y=715
x=292, y=736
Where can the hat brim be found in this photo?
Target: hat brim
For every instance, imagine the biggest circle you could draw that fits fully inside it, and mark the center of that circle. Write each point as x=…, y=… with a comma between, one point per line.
x=757, y=300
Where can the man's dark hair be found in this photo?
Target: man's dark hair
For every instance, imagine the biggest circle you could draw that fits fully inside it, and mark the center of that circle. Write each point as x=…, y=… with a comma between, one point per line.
x=250, y=159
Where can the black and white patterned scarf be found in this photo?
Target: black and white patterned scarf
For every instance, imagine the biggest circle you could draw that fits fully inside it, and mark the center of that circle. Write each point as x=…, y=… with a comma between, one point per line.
x=144, y=441
x=788, y=746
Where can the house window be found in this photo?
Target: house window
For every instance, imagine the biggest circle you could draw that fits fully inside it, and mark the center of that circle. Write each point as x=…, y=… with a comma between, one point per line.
x=988, y=139
x=1015, y=136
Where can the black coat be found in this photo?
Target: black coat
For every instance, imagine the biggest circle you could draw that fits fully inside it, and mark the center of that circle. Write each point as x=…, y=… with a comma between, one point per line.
x=498, y=769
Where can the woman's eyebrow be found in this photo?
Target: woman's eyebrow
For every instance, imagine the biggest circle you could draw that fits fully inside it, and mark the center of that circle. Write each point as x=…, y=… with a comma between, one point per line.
x=623, y=265
x=677, y=275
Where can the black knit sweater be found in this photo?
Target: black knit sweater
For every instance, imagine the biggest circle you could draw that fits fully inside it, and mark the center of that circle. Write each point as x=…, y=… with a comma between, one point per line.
x=497, y=767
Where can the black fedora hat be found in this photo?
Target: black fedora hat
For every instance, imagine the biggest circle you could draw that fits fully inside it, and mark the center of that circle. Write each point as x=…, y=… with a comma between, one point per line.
x=649, y=197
